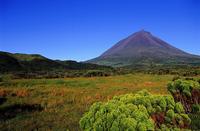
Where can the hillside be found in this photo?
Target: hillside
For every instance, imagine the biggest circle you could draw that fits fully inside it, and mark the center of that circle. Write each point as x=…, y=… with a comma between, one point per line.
x=8, y=63
x=142, y=48
x=35, y=63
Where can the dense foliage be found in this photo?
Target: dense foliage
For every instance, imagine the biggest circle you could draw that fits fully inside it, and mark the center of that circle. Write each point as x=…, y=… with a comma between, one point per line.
x=183, y=86
x=180, y=70
x=187, y=92
x=141, y=111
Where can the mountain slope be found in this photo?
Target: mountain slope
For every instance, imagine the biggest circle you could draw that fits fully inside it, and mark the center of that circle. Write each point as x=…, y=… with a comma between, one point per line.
x=27, y=57
x=16, y=62
x=142, y=48
x=73, y=65
x=8, y=63
x=26, y=62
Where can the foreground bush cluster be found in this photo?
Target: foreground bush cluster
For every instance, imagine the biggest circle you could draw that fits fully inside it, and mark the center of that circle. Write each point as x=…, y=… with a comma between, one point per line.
x=141, y=111
x=187, y=91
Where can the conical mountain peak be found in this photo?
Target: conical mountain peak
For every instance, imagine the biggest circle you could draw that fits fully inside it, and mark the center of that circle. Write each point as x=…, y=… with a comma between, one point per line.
x=140, y=46
x=138, y=36
x=142, y=31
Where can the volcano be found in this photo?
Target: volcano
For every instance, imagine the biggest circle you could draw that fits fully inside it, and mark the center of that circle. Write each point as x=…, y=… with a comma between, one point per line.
x=143, y=48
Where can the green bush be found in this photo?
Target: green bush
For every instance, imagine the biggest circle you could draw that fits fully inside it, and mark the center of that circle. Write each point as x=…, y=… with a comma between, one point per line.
x=170, y=114
x=198, y=81
x=93, y=73
x=134, y=112
x=195, y=124
x=187, y=92
x=179, y=108
x=196, y=108
x=183, y=86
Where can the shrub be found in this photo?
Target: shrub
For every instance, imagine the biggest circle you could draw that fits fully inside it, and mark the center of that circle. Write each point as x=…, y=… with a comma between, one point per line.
x=198, y=81
x=170, y=114
x=195, y=124
x=176, y=78
x=134, y=112
x=92, y=73
x=185, y=91
x=186, y=118
x=179, y=108
x=196, y=108
x=183, y=86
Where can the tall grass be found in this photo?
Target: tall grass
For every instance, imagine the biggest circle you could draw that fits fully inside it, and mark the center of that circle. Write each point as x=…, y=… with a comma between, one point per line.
x=65, y=100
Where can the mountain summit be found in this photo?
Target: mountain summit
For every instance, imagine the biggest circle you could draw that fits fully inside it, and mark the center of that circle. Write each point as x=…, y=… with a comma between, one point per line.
x=143, y=48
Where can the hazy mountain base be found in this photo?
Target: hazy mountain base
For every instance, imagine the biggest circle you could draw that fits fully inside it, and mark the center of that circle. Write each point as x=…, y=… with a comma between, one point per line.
x=146, y=61
x=178, y=70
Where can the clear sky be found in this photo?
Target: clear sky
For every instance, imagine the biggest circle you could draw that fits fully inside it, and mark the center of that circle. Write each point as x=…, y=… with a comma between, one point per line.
x=83, y=29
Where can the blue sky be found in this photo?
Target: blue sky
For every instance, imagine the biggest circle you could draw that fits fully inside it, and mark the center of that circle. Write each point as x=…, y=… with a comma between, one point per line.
x=83, y=29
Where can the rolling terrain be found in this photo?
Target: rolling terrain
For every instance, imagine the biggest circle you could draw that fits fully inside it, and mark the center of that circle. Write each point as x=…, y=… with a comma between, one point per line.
x=37, y=66
x=34, y=62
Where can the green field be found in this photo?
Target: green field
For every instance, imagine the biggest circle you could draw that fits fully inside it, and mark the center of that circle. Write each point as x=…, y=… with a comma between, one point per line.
x=58, y=104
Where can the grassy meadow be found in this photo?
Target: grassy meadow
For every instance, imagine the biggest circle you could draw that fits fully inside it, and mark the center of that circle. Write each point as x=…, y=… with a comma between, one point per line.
x=58, y=104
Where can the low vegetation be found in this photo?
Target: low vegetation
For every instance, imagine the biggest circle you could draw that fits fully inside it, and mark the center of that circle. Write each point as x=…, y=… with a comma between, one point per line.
x=59, y=104
x=141, y=112
x=62, y=102
x=187, y=91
